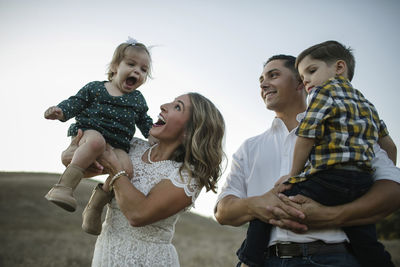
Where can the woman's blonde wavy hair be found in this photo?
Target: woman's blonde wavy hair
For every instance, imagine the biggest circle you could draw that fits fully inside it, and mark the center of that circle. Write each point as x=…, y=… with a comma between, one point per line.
x=201, y=152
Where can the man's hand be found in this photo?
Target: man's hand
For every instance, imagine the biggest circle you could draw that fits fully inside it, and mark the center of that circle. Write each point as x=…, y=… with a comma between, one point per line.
x=317, y=215
x=269, y=206
x=54, y=113
x=235, y=211
x=368, y=209
x=66, y=157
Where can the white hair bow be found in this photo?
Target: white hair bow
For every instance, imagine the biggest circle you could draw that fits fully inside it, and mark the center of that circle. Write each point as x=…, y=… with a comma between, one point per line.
x=131, y=41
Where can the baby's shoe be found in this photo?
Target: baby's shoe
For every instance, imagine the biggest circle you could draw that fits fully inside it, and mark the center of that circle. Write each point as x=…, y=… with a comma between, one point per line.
x=62, y=193
x=91, y=215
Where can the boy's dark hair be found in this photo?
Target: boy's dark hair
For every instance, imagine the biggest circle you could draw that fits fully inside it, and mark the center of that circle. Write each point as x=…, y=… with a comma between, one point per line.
x=329, y=52
x=289, y=63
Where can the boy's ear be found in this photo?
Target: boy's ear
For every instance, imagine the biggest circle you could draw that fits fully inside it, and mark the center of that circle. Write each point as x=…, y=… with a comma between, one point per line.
x=300, y=86
x=341, y=68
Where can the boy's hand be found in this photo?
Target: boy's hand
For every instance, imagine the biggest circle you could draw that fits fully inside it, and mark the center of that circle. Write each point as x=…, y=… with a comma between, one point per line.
x=282, y=180
x=54, y=113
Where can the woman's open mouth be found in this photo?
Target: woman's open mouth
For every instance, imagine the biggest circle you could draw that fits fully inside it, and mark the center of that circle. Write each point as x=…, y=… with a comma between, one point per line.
x=160, y=121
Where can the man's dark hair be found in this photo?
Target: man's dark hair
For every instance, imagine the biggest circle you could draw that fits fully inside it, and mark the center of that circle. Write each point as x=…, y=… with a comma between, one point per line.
x=289, y=63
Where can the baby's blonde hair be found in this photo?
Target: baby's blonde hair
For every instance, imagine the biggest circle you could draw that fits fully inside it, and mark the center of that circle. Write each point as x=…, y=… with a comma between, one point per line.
x=119, y=55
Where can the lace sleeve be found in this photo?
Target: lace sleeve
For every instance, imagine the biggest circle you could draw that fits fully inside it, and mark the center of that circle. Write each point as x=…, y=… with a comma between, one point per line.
x=191, y=186
x=136, y=142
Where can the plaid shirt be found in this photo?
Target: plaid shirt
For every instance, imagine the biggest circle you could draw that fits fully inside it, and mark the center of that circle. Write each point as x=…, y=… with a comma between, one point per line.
x=344, y=125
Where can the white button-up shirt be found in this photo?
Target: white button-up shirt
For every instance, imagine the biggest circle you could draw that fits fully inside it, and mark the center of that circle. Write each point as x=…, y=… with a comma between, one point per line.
x=263, y=159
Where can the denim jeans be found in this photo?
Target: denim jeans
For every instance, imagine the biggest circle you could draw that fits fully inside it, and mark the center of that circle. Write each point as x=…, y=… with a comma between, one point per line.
x=330, y=187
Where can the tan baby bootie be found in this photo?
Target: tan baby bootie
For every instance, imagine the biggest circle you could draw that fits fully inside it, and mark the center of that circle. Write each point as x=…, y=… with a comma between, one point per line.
x=62, y=193
x=91, y=215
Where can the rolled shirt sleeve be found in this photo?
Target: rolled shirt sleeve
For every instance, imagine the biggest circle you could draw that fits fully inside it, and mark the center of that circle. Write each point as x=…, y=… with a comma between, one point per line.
x=384, y=167
x=235, y=183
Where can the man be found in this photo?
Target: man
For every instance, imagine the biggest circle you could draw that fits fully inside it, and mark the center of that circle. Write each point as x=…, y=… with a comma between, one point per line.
x=249, y=191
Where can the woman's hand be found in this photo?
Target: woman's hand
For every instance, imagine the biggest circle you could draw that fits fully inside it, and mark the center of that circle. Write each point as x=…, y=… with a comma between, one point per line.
x=110, y=161
x=66, y=157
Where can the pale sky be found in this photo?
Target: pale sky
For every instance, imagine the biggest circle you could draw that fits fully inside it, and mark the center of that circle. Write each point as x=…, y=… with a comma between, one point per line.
x=51, y=49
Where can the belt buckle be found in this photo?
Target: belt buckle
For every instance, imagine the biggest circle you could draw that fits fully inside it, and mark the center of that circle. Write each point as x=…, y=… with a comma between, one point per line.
x=277, y=251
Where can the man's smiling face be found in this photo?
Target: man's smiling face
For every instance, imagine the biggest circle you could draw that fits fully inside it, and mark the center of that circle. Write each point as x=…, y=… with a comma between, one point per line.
x=278, y=84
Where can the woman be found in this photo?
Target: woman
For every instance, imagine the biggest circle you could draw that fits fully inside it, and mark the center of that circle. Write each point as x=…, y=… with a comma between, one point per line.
x=168, y=177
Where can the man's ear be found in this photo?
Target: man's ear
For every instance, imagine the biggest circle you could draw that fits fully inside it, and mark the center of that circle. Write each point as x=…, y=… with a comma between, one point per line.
x=341, y=68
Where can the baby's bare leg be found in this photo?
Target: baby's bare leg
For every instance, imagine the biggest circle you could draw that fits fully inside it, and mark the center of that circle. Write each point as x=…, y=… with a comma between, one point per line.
x=66, y=157
x=91, y=146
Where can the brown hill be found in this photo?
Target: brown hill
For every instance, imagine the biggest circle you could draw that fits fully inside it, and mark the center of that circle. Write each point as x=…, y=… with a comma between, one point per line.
x=34, y=232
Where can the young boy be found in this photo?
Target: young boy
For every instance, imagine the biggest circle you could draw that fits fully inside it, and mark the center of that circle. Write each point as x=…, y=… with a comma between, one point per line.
x=336, y=136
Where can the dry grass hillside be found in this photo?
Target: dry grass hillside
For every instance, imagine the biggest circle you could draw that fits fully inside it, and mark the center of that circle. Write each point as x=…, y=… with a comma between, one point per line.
x=34, y=232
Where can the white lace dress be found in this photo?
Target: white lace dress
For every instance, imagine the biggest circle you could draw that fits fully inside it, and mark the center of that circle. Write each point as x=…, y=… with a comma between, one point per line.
x=121, y=244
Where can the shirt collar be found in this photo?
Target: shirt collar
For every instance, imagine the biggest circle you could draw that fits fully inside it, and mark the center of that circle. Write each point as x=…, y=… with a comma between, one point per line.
x=335, y=80
x=300, y=116
x=277, y=123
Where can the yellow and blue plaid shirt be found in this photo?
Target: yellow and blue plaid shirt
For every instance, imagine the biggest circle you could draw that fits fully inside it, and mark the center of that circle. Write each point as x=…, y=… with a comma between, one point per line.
x=344, y=125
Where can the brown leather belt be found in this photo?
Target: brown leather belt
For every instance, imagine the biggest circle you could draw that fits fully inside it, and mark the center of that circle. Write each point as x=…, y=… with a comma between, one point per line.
x=290, y=250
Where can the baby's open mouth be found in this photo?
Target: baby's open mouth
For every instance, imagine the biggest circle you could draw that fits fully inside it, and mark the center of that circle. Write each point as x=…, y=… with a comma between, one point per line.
x=131, y=81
